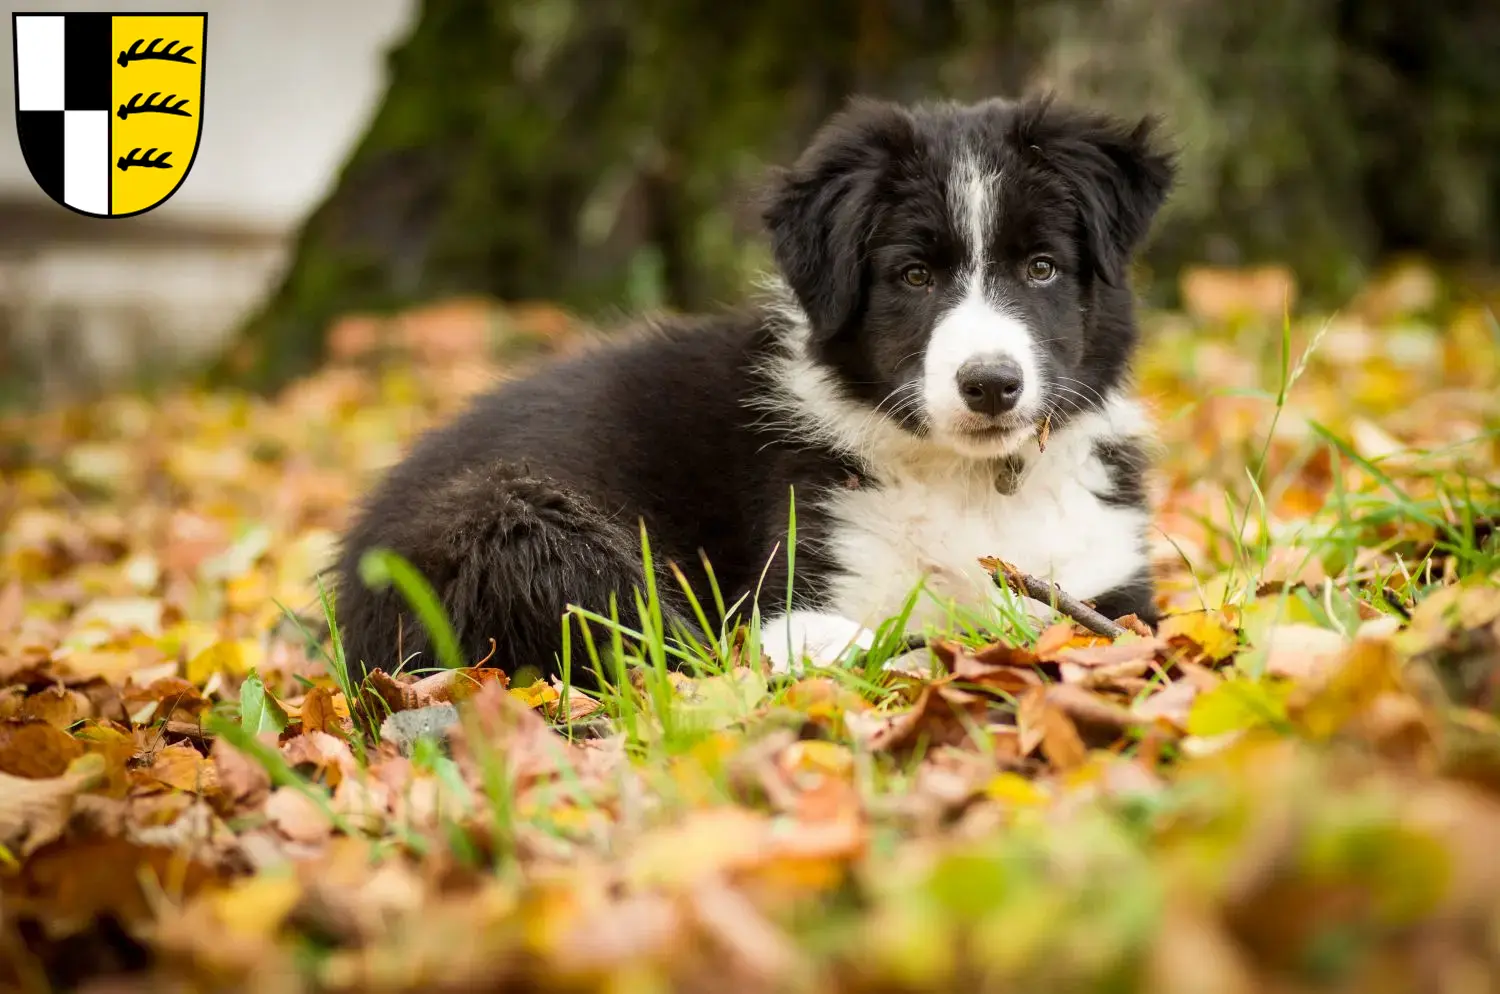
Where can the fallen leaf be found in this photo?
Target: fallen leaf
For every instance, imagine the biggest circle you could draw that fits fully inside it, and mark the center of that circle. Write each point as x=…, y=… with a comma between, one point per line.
x=942, y=715
x=1368, y=670
x=183, y=767
x=320, y=757
x=230, y=657
x=317, y=713
x=33, y=812
x=11, y=606
x=1172, y=702
x=164, y=699
x=36, y=749
x=242, y=783
x=297, y=817
x=1205, y=633
x=1061, y=635
x=1126, y=650
x=1236, y=705
x=754, y=946
x=1100, y=721
x=454, y=685
x=57, y=706
x=1061, y=743
x=74, y=883
x=1301, y=652
x=1219, y=295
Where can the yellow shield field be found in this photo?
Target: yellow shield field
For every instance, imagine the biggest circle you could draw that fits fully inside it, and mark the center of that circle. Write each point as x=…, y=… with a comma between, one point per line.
x=157, y=86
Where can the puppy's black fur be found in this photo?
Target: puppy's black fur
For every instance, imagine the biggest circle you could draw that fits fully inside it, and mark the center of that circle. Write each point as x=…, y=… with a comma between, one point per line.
x=533, y=499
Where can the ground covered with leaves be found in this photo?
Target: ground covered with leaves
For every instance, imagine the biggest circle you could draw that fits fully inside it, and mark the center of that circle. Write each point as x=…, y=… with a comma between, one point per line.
x=1292, y=785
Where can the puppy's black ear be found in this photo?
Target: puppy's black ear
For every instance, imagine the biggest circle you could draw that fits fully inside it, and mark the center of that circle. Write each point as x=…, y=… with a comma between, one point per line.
x=1118, y=172
x=820, y=212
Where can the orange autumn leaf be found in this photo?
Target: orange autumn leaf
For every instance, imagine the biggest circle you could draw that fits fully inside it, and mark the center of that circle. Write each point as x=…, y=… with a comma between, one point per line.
x=35, y=749
x=317, y=712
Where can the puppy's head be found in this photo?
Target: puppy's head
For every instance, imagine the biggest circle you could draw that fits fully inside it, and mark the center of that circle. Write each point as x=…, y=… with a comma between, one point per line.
x=963, y=269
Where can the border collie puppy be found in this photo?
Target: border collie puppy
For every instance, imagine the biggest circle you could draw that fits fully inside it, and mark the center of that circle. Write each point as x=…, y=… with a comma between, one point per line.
x=941, y=374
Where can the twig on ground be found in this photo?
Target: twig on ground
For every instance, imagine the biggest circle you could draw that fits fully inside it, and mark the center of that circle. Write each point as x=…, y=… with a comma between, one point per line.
x=1051, y=594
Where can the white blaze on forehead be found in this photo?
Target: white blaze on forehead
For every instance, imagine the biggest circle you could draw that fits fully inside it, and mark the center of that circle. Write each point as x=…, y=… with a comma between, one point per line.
x=976, y=328
x=973, y=213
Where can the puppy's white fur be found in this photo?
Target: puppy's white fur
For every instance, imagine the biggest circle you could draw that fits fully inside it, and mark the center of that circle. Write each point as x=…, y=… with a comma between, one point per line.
x=821, y=636
x=933, y=512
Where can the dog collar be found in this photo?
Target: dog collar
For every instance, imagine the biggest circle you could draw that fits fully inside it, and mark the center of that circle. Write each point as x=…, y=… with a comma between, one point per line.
x=1010, y=472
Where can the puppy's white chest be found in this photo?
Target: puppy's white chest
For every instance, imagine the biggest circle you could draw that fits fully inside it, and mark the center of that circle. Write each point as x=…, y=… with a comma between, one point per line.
x=931, y=528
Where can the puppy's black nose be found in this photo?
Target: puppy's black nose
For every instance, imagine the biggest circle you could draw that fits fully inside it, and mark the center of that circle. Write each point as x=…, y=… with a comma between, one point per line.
x=990, y=386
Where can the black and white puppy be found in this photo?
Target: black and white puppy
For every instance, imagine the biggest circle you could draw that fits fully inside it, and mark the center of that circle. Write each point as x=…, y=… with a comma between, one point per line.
x=953, y=291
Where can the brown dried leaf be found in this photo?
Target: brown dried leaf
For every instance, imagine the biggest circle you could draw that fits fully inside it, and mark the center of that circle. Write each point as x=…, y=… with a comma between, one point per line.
x=1029, y=719
x=733, y=924
x=77, y=882
x=452, y=686
x=942, y=715
x=320, y=756
x=297, y=817
x=57, y=706
x=181, y=766
x=1302, y=652
x=243, y=783
x=1112, y=653
x=317, y=712
x=172, y=697
x=1351, y=685
x=36, y=750
x=579, y=706
x=1061, y=743
x=392, y=693
x=1099, y=719
x=1005, y=677
x=33, y=812
x=11, y=607
x=1171, y=703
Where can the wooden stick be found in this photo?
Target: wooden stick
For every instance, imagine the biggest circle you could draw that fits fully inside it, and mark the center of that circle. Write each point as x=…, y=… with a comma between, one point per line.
x=1051, y=594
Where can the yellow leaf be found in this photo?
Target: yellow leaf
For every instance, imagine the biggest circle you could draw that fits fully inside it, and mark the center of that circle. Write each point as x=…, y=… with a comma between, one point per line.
x=1235, y=705
x=1370, y=669
x=232, y=657
x=255, y=908
x=244, y=593
x=536, y=695
x=705, y=843
x=183, y=767
x=1208, y=630
x=187, y=638
x=817, y=756
x=1015, y=790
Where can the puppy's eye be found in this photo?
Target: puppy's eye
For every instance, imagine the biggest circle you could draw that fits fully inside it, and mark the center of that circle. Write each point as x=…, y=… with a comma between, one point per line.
x=1041, y=269
x=916, y=276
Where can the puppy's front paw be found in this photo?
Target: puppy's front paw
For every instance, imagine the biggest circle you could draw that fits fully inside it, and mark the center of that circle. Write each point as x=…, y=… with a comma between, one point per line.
x=815, y=635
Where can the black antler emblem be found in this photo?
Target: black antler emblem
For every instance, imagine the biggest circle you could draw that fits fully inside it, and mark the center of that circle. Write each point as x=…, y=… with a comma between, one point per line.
x=164, y=107
x=145, y=161
x=134, y=53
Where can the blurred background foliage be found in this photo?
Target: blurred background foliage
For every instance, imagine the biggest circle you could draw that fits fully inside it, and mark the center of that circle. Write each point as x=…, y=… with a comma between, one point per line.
x=605, y=154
